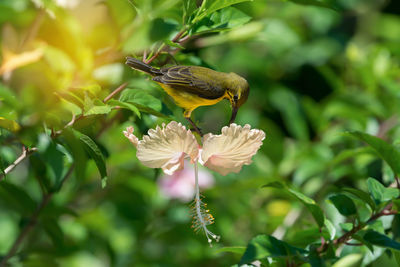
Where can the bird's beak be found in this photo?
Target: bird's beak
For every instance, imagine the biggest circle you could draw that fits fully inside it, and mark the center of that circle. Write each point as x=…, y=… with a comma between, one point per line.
x=234, y=112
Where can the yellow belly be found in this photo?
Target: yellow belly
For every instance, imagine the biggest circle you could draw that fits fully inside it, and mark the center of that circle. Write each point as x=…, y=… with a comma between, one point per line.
x=188, y=101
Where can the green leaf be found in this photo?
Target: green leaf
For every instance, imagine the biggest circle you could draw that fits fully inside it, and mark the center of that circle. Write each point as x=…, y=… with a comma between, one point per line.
x=160, y=29
x=54, y=230
x=349, y=153
x=351, y=260
x=396, y=224
x=224, y=19
x=93, y=89
x=188, y=7
x=94, y=106
x=211, y=6
x=10, y=125
x=95, y=153
x=143, y=101
x=343, y=204
x=380, y=193
x=387, y=152
x=235, y=250
x=346, y=226
x=381, y=240
x=125, y=105
x=331, y=229
x=376, y=225
x=359, y=237
x=16, y=198
x=361, y=195
x=397, y=256
x=8, y=97
x=390, y=193
x=173, y=44
x=263, y=246
x=141, y=98
x=77, y=151
x=396, y=204
x=2, y=166
x=71, y=98
x=310, y=204
x=121, y=12
x=52, y=155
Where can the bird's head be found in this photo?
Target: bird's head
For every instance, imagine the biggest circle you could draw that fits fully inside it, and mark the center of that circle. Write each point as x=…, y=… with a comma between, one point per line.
x=238, y=92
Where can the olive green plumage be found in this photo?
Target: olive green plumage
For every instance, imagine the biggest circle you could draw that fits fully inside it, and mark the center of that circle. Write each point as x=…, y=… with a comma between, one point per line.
x=194, y=86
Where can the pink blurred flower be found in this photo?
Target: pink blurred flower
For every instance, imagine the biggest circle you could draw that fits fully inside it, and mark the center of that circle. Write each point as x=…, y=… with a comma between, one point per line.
x=181, y=184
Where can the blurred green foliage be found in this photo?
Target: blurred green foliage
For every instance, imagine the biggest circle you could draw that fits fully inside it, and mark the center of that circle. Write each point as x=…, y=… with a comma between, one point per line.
x=324, y=78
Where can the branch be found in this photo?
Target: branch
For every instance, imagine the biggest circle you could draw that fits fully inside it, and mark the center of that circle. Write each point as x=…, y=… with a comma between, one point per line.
x=25, y=153
x=32, y=222
x=75, y=119
x=46, y=198
x=116, y=91
x=176, y=39
x=347, y=236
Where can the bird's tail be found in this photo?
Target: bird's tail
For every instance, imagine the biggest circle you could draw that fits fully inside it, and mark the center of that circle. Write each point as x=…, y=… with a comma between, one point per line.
x=141, y=66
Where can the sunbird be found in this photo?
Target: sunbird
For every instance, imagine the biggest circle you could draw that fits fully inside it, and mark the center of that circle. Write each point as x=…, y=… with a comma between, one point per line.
x=194, y=86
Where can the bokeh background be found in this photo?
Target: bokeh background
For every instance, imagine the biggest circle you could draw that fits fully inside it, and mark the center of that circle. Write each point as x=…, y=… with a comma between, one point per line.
x=316, y=69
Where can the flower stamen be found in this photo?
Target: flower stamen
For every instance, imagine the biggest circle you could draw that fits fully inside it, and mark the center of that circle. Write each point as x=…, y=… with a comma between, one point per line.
x=200, y=213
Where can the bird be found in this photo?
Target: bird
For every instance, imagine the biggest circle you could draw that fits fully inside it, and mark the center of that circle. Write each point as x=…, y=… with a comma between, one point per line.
x=195, y=86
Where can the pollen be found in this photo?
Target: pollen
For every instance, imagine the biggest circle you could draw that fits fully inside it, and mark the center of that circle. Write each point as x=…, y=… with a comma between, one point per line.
x=201, y=217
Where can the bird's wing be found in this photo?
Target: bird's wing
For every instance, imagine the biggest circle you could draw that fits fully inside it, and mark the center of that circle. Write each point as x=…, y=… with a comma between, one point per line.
x=182, y=78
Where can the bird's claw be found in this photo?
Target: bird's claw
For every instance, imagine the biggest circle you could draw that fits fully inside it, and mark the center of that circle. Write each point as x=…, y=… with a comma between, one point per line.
x=197, y=130
x=194, y=127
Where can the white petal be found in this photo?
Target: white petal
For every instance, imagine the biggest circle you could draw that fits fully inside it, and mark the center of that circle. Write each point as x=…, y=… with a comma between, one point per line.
x=129, y=134
x=232, y=149
x=166, y=147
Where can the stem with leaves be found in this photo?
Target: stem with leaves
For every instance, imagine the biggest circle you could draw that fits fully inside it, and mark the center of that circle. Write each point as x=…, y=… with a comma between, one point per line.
x=46, y=197
x=344, y=239
x=176, y=39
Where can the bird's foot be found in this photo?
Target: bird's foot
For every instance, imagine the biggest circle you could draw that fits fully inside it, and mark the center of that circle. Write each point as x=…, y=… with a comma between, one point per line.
x=197, y=130
x=194, y=127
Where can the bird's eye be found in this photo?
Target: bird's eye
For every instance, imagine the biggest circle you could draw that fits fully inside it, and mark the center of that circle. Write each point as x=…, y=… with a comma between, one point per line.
x=235, y=97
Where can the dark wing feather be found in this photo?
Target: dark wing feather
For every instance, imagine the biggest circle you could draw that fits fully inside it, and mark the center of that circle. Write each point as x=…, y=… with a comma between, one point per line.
x=181, y=78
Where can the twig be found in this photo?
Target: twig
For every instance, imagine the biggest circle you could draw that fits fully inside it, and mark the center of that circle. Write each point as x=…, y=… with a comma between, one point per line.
x=46, y=199
x=116, y=91
x=75, y=119
x=25, y=153
x=347, y=236
x=344, y=238
x=156, y=54
x=179, y=35
x=174, y=40
x=32, y=222
x=144, y=56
